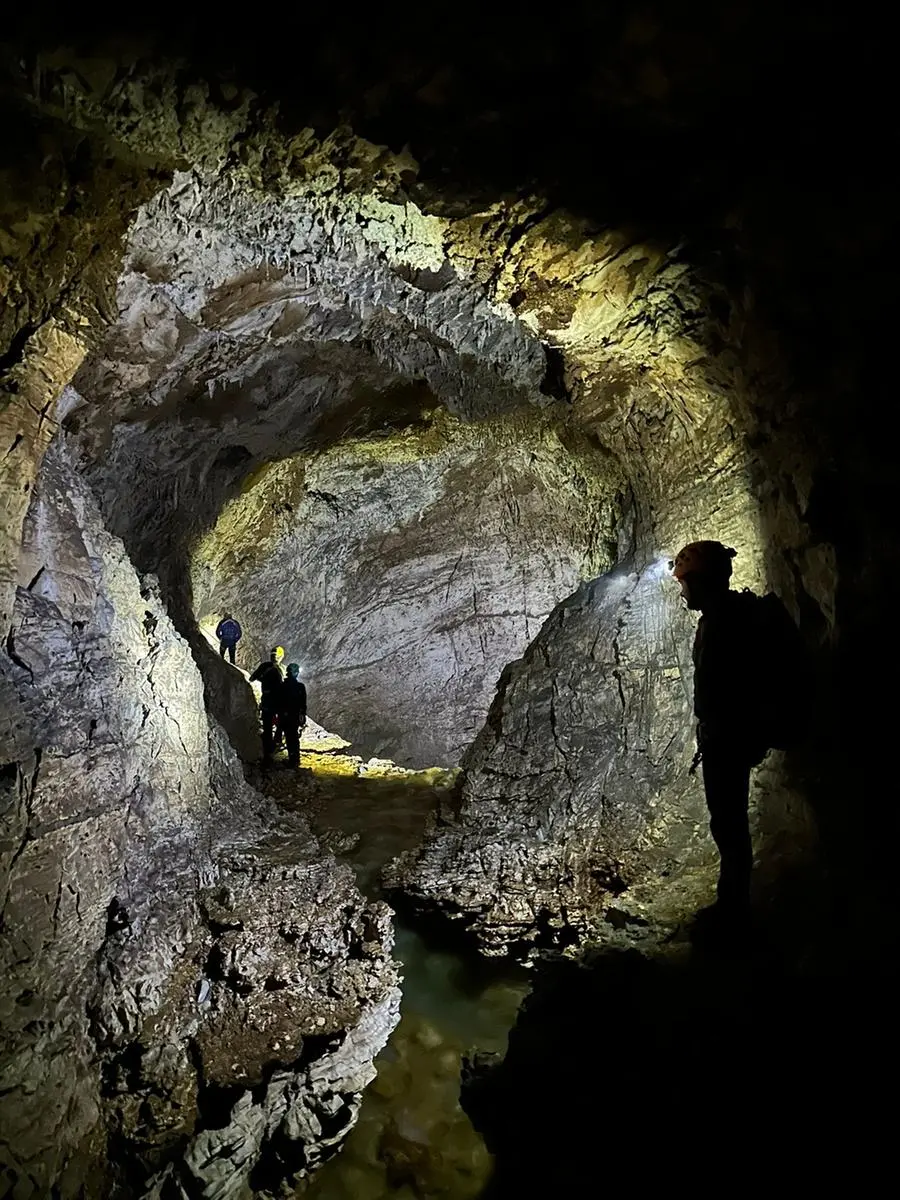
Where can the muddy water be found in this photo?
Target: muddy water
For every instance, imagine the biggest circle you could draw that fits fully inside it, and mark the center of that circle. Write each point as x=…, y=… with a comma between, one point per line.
x=412, y=1139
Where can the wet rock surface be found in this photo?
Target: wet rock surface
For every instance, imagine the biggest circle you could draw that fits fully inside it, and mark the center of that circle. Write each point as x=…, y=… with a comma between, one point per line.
x=413, y=1138
x=195, y=989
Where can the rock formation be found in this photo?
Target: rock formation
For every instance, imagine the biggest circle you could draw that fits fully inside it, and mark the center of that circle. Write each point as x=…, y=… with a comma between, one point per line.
x=191, y=974
x=404, y=571
x=577, y=789
x=561, y=238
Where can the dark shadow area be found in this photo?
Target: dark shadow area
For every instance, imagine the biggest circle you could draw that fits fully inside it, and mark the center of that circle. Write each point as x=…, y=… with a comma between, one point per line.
x=725, y=1074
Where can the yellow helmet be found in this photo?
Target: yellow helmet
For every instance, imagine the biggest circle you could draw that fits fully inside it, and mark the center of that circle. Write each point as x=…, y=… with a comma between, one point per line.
x=278, y=652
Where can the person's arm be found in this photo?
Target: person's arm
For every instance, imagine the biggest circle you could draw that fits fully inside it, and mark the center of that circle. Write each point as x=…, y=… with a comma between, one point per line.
x=302, y=703
x=240, y=632
x=219, y=630
x=256, y=677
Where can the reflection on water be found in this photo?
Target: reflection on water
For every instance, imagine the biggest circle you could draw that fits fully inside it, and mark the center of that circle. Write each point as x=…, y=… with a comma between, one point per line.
x=412, y=1139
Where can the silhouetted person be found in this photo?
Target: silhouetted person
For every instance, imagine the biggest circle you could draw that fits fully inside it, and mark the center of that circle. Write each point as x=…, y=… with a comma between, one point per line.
x=270, y=677
x=228, y=631
x=748, y=664
x=292, y=713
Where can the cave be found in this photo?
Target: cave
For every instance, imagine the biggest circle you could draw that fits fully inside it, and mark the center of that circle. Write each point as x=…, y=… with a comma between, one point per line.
x=423, y=359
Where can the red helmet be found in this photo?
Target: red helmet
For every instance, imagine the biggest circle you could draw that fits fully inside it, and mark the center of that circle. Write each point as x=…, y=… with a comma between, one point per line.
x=703, y=558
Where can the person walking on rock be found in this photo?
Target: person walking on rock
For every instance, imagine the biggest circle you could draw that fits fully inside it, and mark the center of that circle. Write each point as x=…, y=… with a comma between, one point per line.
x=270, y=676
x=228, y=631
x=750, y=695
x=292, y=713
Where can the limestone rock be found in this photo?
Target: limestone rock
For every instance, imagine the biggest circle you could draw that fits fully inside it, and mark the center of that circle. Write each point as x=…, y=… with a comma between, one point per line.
x=288, y=293
x=577, y=788
x=297, y=315
x=176, y=950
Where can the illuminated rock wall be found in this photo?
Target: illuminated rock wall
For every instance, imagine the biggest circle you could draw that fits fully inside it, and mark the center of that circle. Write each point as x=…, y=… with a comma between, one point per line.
x=404, y=572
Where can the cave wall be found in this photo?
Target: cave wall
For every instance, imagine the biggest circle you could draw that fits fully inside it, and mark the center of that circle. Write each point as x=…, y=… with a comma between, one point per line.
x=149, y=896
x=293, y=297
x=688, y=406
x=671, y=366
x=253, y=325
x=403, y=572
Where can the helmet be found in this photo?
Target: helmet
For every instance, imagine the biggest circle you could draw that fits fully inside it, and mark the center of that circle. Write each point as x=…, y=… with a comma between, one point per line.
x=293, y=670
x=704, y=558
x=278, y=651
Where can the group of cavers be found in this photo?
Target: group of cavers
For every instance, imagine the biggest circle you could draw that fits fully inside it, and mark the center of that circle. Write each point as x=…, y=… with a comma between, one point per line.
x=751, y=694
x=282, y=706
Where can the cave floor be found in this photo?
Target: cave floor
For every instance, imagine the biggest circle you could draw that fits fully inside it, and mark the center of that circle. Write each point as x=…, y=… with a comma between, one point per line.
x=412, y=1139
x=366, y=814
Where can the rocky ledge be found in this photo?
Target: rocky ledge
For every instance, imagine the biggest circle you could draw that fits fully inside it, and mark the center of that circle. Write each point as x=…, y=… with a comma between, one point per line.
x=249, y=1071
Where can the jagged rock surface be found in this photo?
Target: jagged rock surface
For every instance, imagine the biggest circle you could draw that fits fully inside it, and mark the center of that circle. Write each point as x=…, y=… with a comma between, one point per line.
x=577, y=789
x=291, y=323
x=290, y=320
x=189, y=976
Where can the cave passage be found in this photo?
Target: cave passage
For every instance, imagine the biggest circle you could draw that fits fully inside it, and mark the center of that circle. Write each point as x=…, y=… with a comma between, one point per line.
x=306, y=415
x=421, y=364
x=403, y=572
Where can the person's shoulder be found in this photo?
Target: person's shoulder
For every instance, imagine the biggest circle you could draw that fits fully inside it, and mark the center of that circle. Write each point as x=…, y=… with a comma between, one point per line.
x=744, y=596
x=745, y=603
x=743, y=612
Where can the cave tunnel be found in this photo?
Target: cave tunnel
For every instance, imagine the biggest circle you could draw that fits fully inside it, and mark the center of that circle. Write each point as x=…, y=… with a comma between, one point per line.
x=422, y=353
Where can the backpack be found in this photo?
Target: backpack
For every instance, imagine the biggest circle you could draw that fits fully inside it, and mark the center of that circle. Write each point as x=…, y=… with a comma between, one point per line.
x=270, y=677
x=786, y=686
